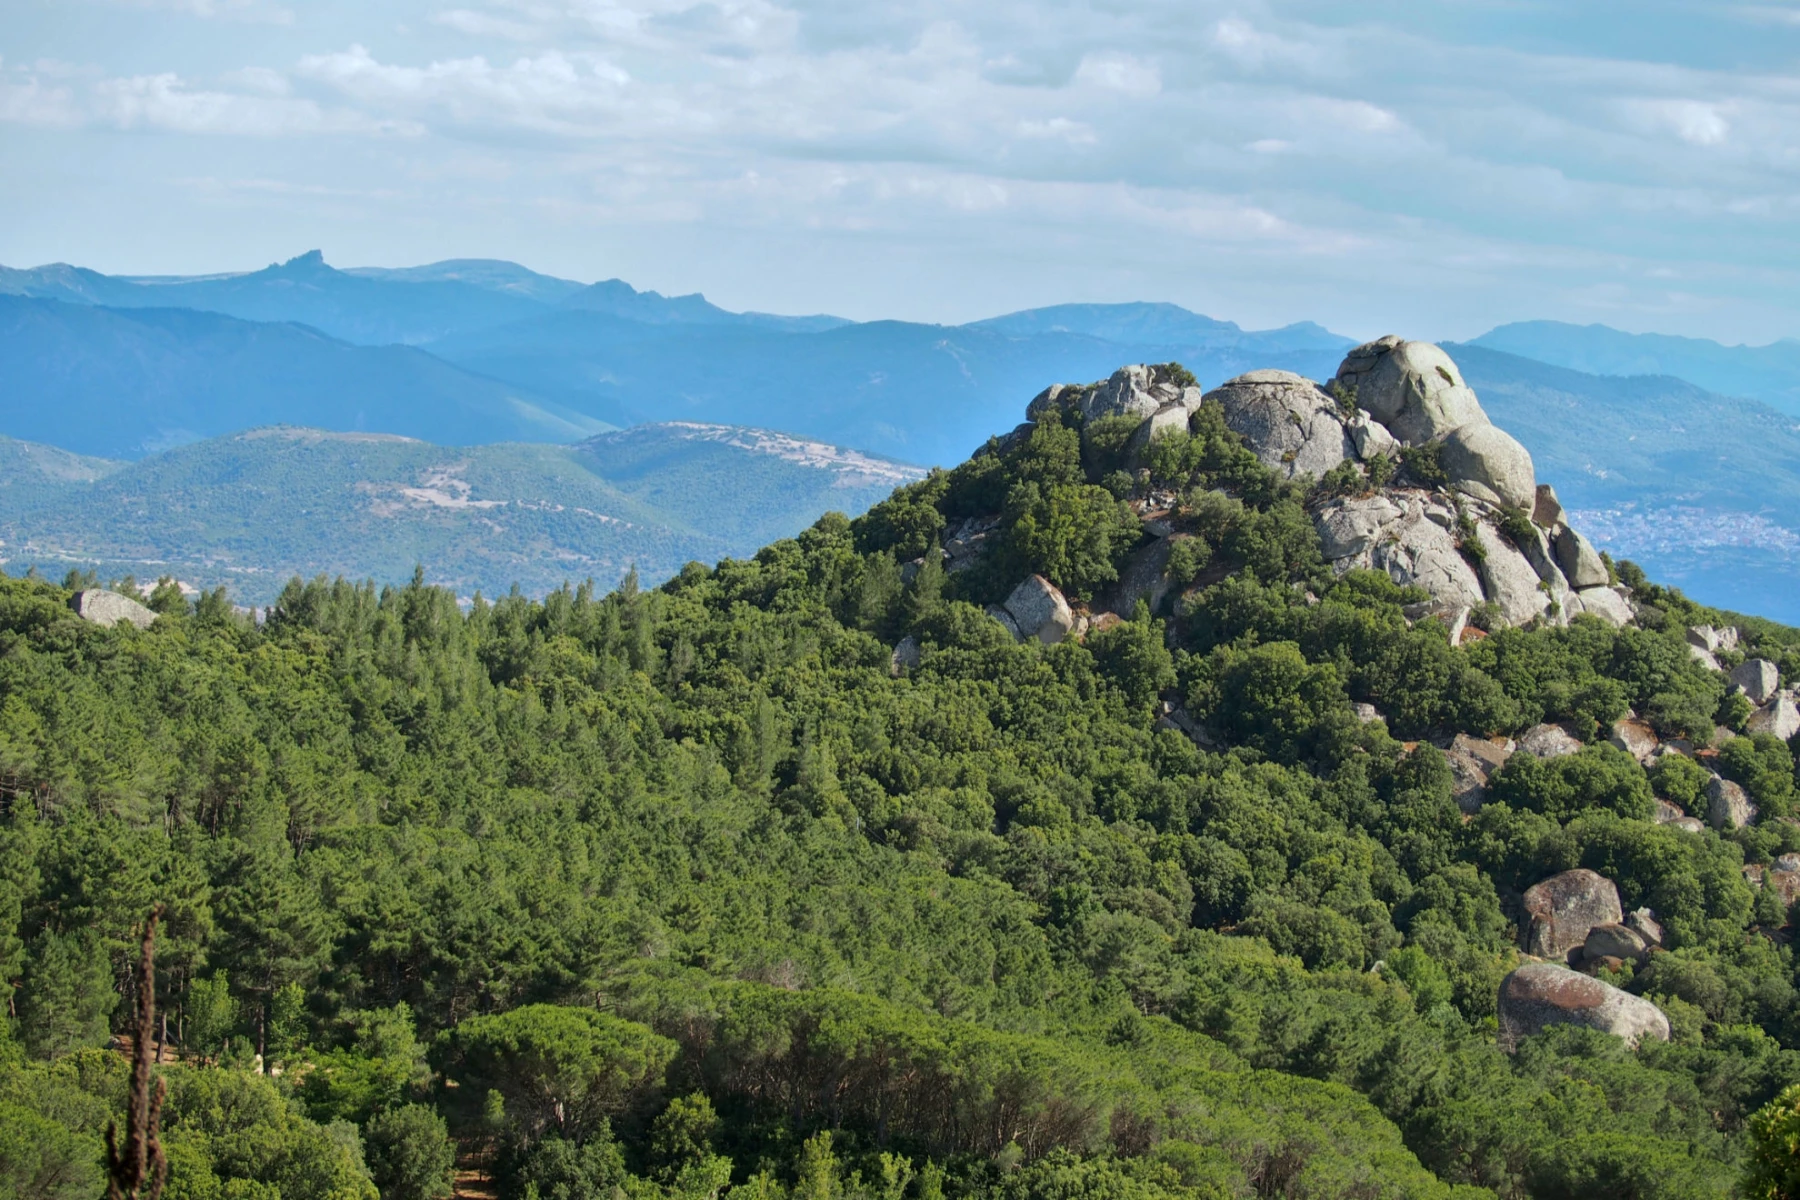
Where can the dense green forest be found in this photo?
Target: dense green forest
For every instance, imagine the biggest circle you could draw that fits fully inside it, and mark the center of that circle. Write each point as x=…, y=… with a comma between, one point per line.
x=668, y=893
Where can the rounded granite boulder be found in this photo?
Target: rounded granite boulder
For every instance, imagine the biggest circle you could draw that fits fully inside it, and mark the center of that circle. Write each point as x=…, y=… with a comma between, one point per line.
x=1488, y=463
x=1291, y=423
x=1539, y=995
x=1413, y=388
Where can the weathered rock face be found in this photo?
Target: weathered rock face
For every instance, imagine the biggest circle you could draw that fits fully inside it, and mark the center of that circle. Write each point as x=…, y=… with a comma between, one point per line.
x=1548, y=741
x=1635, y=738
x=1539, y=995
x=1728, y=805
x=1145, y=577
x=1712, y=639
x=1171, y=418
x=1510, y=580
x=109, y=608
x=1643, y=922
x=1546, y=509
x=1473, y=762
x=1486, y=462
x=1579, y=561
x=1006, y=620
x=1290, y=421
x=1039, y=610
x=1411, y=387
x=1565, y=908
x=1779, y=718
x=1757, y=678
x=1402, y=534
x=905, y=656
x=1604, y=603
x=1370, y=437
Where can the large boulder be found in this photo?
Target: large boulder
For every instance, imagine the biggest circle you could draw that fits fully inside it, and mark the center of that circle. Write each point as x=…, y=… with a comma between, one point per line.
x=1539, y=995
x=1728, y=806
x=1486, y=462
x=1579, y=561
x=109, y=608
x=1757, y=678
x=1039, y=611
x=1778, y=718
x=1288, y=420
x=1413, y=388
x=1548, y=741
x=1564, y=909
x=1510, y=581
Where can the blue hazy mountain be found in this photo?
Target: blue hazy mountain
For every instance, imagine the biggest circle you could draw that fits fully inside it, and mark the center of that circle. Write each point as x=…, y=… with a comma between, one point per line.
x=494, y=274
x=1768, y=373
x=376, y=306
x=121, y=383
x=1144, y=324
x=1698, y=488
x=356, y=308
x=924, y=393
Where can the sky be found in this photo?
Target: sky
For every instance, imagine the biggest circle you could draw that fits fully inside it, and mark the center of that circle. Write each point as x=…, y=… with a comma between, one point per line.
x=1431, y=169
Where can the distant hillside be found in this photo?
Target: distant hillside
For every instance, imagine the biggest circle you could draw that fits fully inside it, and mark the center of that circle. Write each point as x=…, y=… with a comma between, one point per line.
x=121, y=383
x=1701, y=489
x=1768, y=373
x=254, y=509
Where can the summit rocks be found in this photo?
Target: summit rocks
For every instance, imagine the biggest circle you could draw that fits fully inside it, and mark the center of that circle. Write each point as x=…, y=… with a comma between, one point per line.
x=1424, y=487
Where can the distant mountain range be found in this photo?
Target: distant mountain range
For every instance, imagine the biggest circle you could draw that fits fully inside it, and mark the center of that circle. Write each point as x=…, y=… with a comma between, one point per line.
x=1639, y=431
x=1768, y=373
x=122, y=383
x=252, y=509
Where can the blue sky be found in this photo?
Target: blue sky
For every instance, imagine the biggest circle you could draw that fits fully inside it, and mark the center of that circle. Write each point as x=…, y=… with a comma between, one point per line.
x=1430, y=169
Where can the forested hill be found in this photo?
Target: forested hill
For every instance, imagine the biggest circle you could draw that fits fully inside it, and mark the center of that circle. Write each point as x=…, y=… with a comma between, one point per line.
x=802, y=877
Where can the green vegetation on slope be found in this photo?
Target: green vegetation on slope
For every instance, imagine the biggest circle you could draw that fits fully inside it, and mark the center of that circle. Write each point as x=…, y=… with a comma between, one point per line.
x=661, y=893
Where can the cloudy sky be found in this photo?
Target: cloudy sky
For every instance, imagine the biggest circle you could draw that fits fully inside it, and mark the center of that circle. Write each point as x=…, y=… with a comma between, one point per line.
x=1427, y=168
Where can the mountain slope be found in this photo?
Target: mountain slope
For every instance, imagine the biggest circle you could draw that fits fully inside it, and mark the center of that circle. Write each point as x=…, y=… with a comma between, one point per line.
x=1768, y=373
x=808, y=868
x=254, y=509
x=119, y=382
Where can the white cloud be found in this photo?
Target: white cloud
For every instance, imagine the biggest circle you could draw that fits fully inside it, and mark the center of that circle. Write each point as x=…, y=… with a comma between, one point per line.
x=1075, y=133
x=1696, y=122
x=1123, y=73
x=557, y=92
x=165, y=102
x=477, y=24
